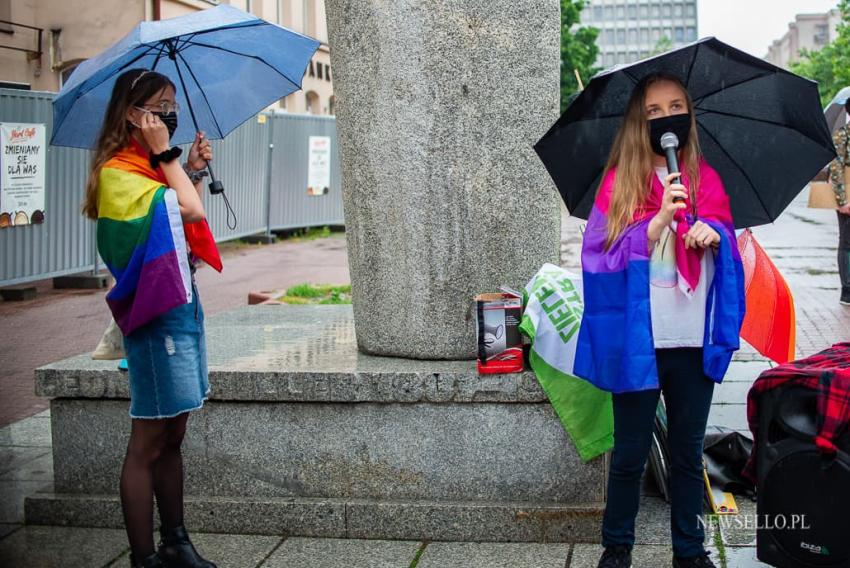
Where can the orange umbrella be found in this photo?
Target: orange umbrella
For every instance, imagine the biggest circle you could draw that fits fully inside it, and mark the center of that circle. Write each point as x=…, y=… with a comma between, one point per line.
x=769, y=324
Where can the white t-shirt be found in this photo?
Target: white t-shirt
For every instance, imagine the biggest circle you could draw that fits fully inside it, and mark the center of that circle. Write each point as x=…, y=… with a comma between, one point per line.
x=677, y=320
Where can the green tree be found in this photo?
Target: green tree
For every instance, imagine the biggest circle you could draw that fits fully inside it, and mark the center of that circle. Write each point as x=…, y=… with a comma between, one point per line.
x=663, y=45
x=578, y=49
x=829, y=66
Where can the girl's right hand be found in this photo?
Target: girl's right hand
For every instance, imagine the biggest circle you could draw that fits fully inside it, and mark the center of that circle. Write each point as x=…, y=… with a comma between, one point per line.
x=154, y=132
x=672, y=191
x=668, y=208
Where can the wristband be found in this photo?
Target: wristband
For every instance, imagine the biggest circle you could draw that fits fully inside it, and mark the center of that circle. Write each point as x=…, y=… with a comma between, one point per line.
x=165, y=157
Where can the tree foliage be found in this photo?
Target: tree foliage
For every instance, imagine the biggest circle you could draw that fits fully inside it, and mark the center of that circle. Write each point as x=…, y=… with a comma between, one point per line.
x=578, y=49
x=829, y=66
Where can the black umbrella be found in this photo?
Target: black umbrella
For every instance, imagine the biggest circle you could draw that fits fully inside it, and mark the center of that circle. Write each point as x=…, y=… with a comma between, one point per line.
x=761, y=127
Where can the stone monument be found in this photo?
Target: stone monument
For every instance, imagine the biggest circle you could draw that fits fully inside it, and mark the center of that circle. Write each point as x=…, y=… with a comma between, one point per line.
x=439, y=103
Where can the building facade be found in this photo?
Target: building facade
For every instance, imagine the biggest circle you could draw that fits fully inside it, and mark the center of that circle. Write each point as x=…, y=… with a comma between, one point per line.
x=807, y=32
x=630, y=30
x=47, y=39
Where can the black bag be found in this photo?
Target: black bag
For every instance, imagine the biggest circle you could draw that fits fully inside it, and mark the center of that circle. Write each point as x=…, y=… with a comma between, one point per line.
x=725, y=452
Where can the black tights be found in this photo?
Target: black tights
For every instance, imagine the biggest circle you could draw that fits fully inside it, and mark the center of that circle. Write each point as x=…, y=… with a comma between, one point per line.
x=153, y=466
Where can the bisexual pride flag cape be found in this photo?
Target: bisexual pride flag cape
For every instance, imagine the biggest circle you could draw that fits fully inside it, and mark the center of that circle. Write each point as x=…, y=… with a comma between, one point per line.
x=141, y=238
x=615, y=346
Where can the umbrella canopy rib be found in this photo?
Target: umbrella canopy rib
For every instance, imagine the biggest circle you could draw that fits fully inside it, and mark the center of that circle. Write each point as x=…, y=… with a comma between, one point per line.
x=691, y=66
x=240, y=54
x=201, y=89
x=742, y=171
x=754, y=119
x=702, y=98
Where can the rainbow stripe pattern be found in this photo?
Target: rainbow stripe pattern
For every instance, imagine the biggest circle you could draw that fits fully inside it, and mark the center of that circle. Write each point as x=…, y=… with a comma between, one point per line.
x=141, y=239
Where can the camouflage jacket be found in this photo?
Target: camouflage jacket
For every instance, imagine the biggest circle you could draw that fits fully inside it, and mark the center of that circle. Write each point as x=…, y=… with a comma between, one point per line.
x=841, y=139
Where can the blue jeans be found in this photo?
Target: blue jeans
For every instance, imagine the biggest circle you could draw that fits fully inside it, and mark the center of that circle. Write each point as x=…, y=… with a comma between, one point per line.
x=687, y=394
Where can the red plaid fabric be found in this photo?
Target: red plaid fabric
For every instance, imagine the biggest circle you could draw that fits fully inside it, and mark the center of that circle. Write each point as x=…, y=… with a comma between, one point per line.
x=828, y=373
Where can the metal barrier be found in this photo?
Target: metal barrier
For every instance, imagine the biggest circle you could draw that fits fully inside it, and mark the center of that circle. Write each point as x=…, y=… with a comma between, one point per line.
x=263, y=164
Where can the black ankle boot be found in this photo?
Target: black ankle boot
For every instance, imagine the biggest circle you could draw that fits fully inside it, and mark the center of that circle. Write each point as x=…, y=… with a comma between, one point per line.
x=152, y=561
x=177, y=551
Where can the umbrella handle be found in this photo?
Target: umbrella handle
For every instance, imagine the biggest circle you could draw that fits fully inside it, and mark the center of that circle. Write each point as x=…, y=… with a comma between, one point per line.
x=215, y=186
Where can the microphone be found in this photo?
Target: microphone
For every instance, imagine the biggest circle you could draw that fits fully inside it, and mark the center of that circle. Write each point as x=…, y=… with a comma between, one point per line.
x=670, y=143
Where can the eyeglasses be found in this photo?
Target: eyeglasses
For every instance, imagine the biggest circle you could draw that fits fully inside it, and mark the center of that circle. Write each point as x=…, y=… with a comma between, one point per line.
x=164, y=107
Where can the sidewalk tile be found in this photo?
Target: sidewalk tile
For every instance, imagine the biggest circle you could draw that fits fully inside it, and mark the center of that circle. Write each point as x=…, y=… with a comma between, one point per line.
x=58, y=547
x=233, y=550
x=39, y=469
x=12, y=494
x=738, y=530
x=732, y=416
x=339, y=553
x=746, y=371
x=643, y=556
x=743, y=557
x=33, y=431
x=494, y=555
x=731, y=392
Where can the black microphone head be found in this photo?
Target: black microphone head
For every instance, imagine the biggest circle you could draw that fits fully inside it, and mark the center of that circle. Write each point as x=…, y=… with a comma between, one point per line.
x=669, y=140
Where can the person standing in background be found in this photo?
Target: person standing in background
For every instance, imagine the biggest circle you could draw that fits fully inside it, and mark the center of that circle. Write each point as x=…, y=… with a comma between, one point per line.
x=841, y=138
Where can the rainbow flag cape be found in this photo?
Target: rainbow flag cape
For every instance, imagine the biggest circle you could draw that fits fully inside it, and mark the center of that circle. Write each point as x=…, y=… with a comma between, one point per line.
x=615, y=346
x=141, y=238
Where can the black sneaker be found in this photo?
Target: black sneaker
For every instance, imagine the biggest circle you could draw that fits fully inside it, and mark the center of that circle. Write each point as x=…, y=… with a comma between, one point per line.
x=845, y=298
x=701, y=561
x=616, y=556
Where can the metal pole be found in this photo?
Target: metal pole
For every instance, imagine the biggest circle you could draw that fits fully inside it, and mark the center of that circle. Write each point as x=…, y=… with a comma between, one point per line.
x=269, y=177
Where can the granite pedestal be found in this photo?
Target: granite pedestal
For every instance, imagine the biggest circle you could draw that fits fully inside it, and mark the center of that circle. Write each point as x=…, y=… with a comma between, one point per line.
x=439, y=104
x=304, y=435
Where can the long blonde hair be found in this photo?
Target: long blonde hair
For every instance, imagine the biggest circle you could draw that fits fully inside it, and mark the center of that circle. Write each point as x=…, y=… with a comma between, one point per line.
x=632, y=155
x=132, y=88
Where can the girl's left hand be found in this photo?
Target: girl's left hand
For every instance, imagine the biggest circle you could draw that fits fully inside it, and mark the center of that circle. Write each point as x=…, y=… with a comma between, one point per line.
x=701, y=235
x=200, y=153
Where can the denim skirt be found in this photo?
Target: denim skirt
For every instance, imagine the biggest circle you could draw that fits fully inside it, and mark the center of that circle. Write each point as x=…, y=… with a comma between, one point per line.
x=167, y=363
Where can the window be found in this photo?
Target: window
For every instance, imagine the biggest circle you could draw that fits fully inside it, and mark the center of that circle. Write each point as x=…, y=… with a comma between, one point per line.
x=6, y=14
x=667, y=11
x=67, y=70
x=312, y=100
x=691, y=10
x=597, y=13
x=632, y=11
x=644, y=35
x=644, y=11
x=609, y=13
x=679, y=34
x=677, y=10
x=621, y=36
x=609, y=36
x=656, y=11
x=656, y=34
x=633, y=36
x=692, y=33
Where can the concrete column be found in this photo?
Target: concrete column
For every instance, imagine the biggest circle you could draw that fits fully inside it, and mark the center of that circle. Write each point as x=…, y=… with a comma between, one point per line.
x=438, y=104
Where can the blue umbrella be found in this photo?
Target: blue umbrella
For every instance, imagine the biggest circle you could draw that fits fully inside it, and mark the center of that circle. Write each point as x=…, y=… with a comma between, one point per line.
x=228, y=65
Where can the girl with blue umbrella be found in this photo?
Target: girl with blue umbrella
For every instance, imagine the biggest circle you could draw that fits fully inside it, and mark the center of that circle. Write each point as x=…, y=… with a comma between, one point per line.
x=141, y=197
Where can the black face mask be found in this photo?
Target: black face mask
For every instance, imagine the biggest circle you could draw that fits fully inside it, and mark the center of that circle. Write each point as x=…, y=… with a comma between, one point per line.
x=678, y=124
x=169, y=119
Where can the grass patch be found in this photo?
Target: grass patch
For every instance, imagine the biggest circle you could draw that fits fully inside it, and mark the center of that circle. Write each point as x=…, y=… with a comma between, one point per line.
x=819, y=272
x=308, y=234
x=323, y=294
x=714, y=521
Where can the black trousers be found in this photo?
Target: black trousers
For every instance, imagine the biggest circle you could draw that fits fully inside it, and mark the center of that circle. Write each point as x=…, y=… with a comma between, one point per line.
x=687, y=394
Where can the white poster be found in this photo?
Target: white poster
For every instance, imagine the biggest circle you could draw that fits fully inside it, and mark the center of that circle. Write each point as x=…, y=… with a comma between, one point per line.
x=22, y=162
x=319, y=166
